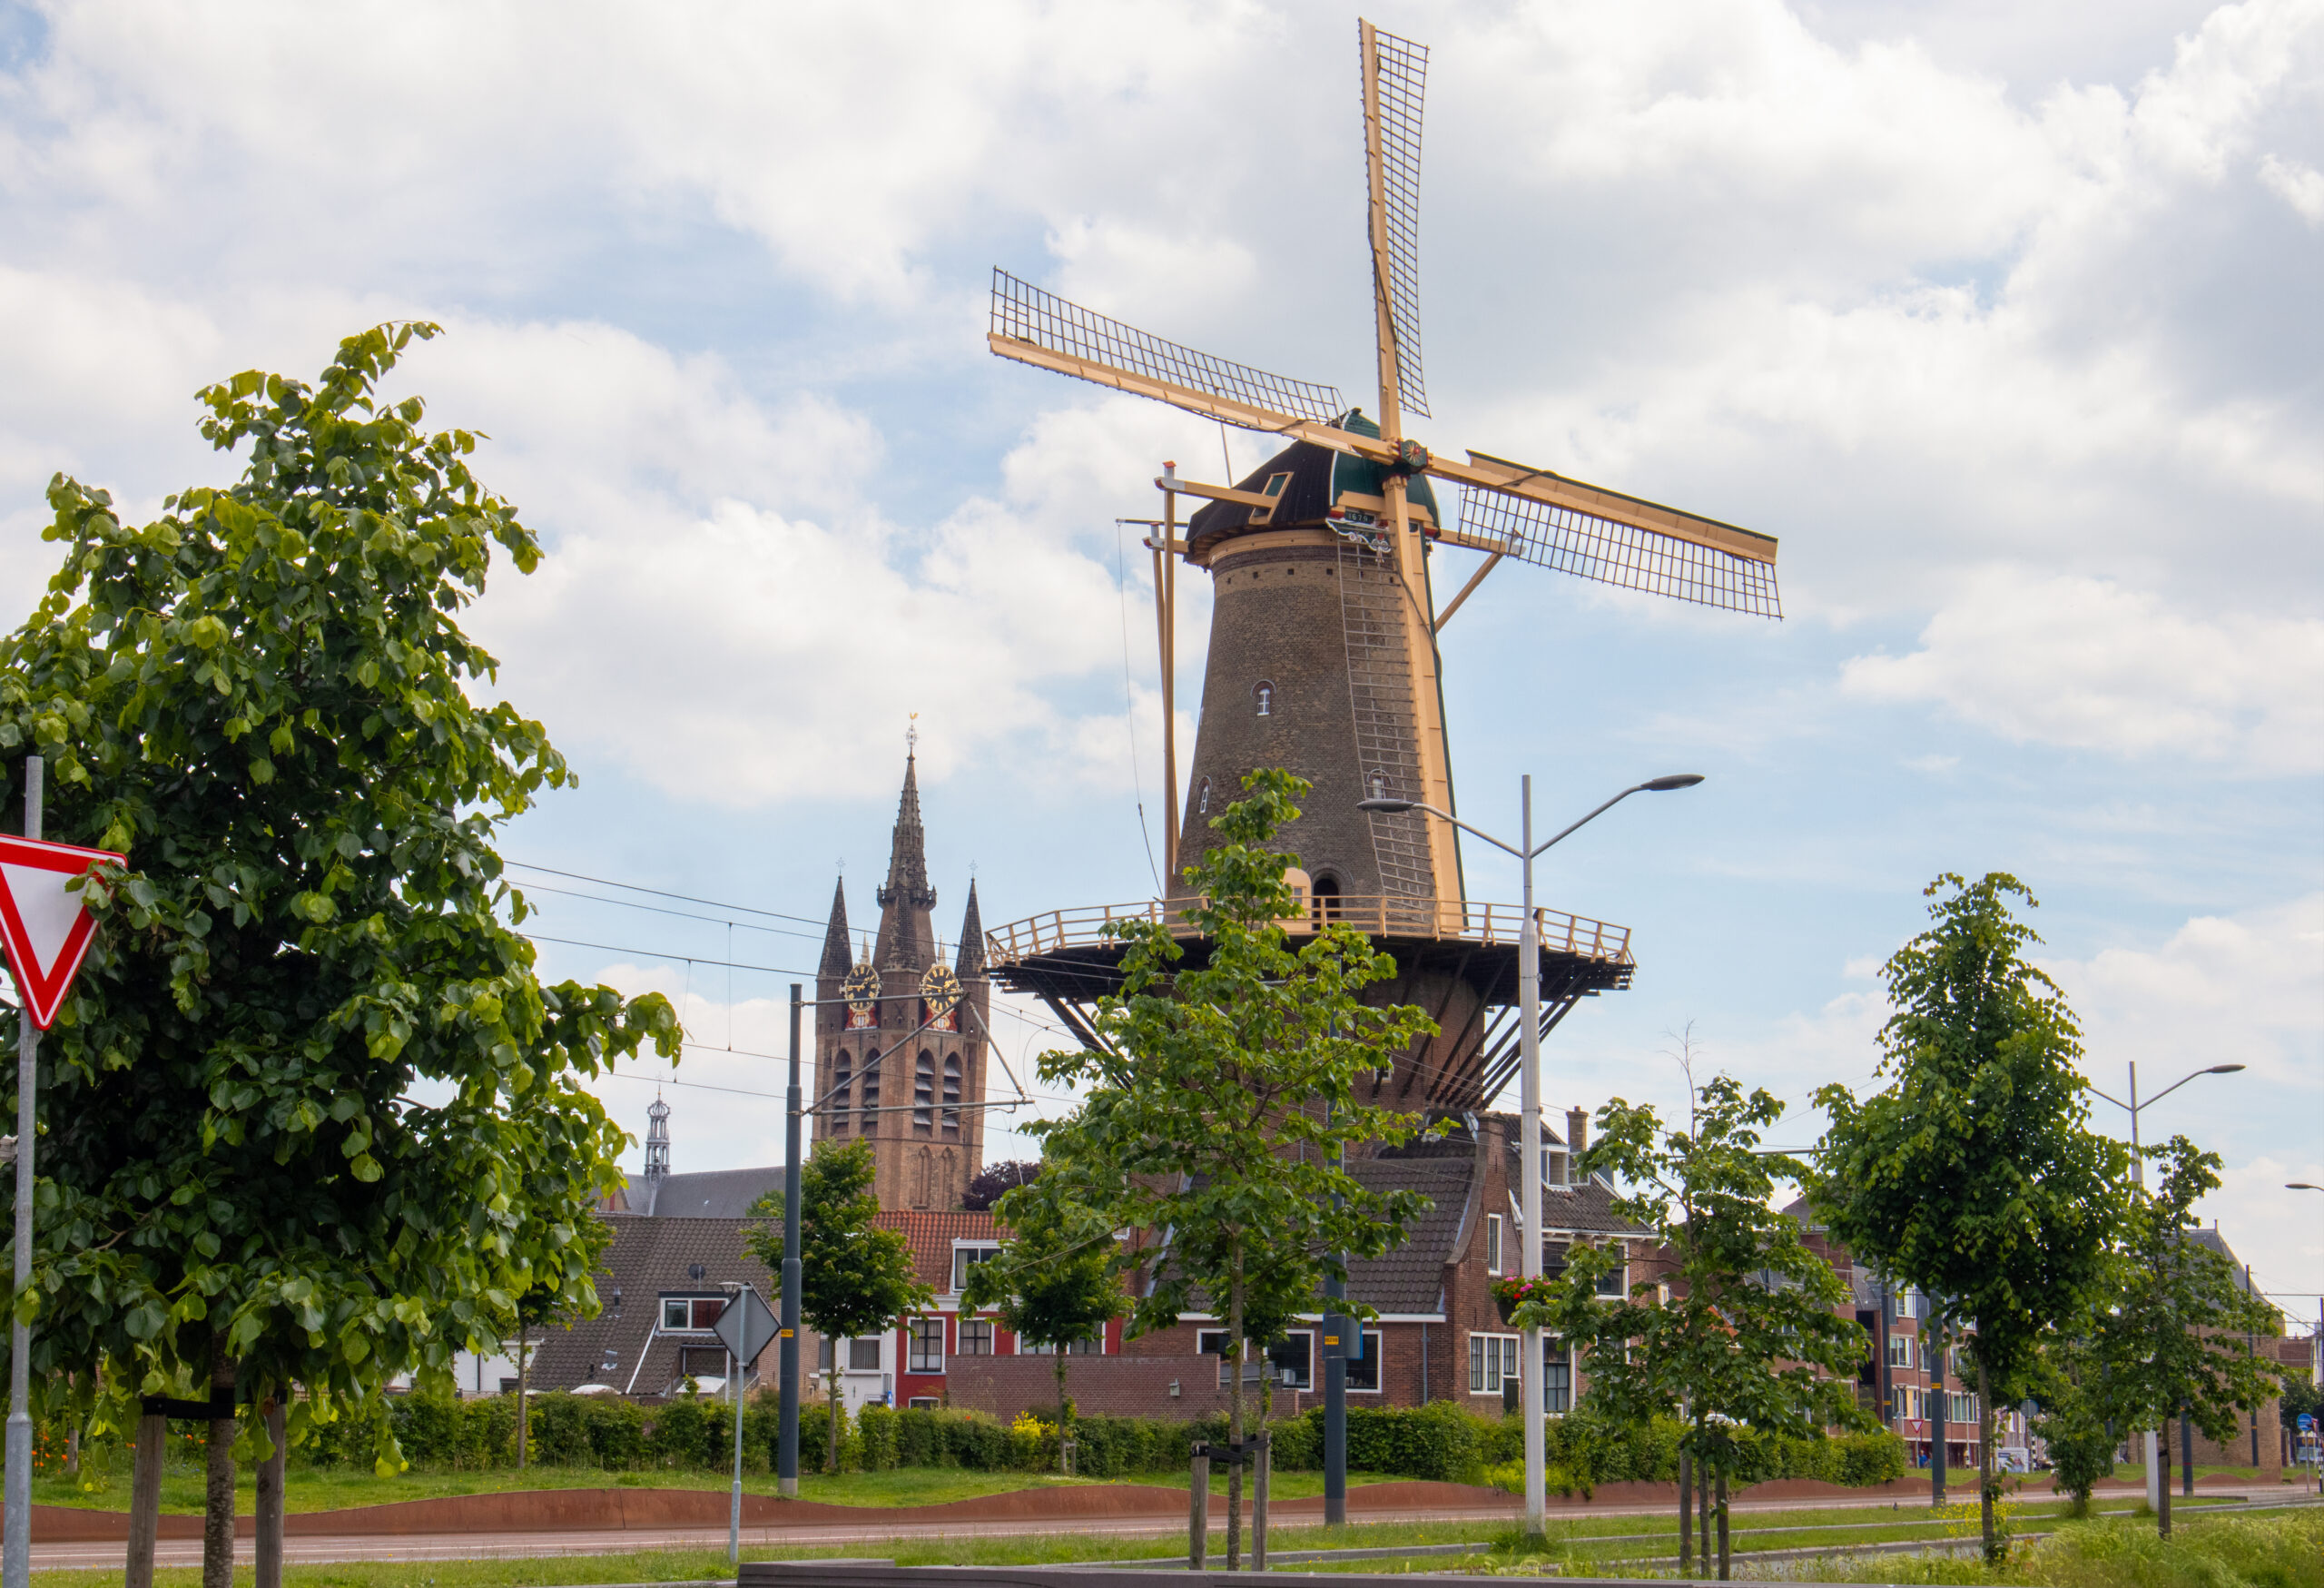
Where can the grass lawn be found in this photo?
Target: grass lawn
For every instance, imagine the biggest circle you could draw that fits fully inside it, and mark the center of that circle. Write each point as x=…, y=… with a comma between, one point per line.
x=334, y=1489
x=2074, y=1564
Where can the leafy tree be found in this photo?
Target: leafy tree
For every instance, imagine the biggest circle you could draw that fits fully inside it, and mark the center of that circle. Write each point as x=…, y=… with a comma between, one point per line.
x=1054, y=1282
x=996, y=1180
x=1973, y=1176
x=2068, y=1383
x=1224, y=1091
x=1749, y=1335
x=854, y=1278
x=2171, y=1330
x=309, y=1115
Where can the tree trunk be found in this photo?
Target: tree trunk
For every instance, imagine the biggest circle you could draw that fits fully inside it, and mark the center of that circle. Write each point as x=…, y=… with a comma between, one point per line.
x=1234, y=1346
x=218, y=1500
x=522, y=1420
x=1686, y=1512
x=1702, y=1507
x=145, y=1499
x=2162, y=1476
x=1985, y=1480
x=270, y=1495
x=830, y=1422
x=1722, y=1528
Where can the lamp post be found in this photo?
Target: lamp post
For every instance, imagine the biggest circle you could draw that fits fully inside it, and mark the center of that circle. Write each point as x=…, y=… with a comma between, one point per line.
x=2138, y=1178
x=2318, y=1343
x=1528, y=993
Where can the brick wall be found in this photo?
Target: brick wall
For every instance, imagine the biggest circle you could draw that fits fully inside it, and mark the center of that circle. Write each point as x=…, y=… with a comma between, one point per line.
x=1106, y=1386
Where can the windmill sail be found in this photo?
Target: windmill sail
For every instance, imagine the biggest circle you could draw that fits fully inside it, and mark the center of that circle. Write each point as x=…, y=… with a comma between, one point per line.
x=1395, y=73
x=1584, y=544
x=1041, y=328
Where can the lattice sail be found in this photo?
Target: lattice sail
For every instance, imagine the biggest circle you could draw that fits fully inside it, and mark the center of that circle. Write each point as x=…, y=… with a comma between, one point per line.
x=1592, y=548
x=1024, y=312
x=1401, y=68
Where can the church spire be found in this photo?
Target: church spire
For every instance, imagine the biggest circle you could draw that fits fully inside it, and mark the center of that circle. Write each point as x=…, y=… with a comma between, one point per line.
x=906, y=938
x=835, y=935
x=971, y=960
x=658, y=1140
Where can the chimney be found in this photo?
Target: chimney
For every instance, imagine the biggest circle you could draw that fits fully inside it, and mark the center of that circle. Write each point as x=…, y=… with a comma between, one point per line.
x=1577, y=1130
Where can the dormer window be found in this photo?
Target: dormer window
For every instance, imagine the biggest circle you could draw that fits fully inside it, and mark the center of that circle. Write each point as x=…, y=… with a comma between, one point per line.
x=1263, y=693
x=691, y=1314
x=1201, y=799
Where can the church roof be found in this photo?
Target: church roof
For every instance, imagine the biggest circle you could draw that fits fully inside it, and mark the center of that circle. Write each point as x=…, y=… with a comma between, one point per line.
x=906, y=939
x=725, y=1193
x=835, y=960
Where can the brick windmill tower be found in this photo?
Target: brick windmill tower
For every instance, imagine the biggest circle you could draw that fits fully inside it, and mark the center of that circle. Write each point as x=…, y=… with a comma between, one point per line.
x=900, y=1035
x=1325, y=656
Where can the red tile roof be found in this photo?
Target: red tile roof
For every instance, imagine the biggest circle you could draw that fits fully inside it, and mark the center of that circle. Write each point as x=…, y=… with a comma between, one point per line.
x=932, y=1235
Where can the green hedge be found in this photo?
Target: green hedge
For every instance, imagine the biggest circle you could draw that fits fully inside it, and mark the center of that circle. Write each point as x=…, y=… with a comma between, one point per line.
x=1443, y=1440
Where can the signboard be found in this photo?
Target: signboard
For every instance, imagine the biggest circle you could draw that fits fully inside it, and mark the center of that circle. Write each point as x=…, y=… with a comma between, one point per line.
x=43, y=924
x=746, y=1326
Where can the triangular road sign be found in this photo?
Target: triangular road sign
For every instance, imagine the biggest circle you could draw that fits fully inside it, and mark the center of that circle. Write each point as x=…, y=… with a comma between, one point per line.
x=43, y=924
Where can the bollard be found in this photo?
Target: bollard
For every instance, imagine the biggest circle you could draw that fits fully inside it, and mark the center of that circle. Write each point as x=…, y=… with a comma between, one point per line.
x=1198, y=1511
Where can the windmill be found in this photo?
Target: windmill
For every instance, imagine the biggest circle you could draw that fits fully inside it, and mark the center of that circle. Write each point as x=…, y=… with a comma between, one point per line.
x=1323, y=653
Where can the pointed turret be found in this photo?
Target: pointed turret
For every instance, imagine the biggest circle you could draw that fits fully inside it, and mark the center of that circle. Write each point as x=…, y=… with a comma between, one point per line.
x=835, y=935
x=907, y=941
x=971, y=960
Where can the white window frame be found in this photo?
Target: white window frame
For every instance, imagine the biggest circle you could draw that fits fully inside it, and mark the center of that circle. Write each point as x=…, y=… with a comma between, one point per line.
x=879, y=1347
x=967, y=1254
x=1371, y=1359
x=915, y=1358
x=688, y=1299
x=1492, y=1244
x=1314, y=1378
x=991, y=1337
x=1900, y=1351
x=1493, y=1358
x=1547, y=1342
x=1621, y=1276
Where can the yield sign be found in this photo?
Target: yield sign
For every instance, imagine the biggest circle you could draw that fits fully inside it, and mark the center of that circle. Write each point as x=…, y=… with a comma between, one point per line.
x=46, y=928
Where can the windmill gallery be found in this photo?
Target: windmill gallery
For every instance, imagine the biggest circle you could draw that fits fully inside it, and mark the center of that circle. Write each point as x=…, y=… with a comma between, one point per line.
x=1324, y=659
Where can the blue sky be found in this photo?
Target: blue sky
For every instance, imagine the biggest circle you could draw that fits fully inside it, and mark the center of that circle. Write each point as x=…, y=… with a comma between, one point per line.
x=2003, y=319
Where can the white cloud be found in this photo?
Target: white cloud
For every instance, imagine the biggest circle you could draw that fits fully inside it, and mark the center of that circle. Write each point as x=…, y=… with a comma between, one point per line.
x=2300, y=187
x=2086, y=662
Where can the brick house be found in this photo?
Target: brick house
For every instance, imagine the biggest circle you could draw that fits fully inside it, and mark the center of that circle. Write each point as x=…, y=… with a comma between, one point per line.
x=1438, y=1336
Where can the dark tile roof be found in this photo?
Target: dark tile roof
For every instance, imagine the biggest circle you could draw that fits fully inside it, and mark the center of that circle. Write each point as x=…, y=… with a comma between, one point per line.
x=1410, y=1278
x=647, y=1257
x=725, y=1193
x=1584, y=1208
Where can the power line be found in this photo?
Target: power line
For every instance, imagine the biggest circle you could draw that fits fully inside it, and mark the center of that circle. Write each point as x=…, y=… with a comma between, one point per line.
x=664, y=910
x=663, y=893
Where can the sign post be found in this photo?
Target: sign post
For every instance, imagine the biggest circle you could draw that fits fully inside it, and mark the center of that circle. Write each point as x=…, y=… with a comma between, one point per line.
x=46, y=931
x=745, y=1328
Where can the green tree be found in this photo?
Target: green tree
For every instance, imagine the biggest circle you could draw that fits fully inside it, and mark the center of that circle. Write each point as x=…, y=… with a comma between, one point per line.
x=854, y=1278
x=2170, y=1330
x=2067, y=1385
x=1224, y=1091
x=1973, y=1176
x=1751, y=1336
x=310, y=1115
x=1054, y=1282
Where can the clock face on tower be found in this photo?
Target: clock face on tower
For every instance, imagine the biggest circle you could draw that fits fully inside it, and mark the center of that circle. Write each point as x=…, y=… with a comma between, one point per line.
x=861, y=991
x=941, y=991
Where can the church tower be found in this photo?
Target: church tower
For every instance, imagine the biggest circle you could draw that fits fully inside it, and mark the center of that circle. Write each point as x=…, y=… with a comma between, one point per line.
x=901, y=1034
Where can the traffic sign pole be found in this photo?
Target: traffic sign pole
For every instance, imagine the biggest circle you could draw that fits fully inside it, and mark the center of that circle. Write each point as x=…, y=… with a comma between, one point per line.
x=786, y=1470
x=16, y=1551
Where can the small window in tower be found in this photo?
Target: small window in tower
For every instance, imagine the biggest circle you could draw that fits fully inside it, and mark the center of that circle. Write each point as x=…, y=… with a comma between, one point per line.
x=843, y=1082
x=1201, y=799
x=952, y=1094
x=1265, y=695
x=924, y=1093
x=870, y=1093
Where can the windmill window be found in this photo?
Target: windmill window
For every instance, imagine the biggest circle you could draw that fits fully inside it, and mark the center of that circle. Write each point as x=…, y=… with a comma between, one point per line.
x=1265, y=695
x=1201, y=799
x=1379, y=782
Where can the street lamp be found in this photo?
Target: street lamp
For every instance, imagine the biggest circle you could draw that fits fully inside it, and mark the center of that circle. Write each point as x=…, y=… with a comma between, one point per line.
x=2138, y=1178
x=1528, y=993
x=2138, y=1167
